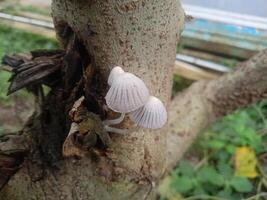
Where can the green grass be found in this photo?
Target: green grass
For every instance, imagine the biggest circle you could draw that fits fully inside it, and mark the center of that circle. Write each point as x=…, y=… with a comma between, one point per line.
x=17, y=9
x=14, y=41
x=4, y=76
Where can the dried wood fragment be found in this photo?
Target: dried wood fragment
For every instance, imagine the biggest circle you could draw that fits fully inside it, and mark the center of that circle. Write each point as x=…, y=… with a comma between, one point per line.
x=12, y=153
x=34, y=68
x=86, y=132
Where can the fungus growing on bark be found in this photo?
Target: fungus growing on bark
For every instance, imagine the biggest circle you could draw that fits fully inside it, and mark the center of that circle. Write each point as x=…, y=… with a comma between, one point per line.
x=127, y=92
x=152, y=115
x=118, y=120
x=115, y=72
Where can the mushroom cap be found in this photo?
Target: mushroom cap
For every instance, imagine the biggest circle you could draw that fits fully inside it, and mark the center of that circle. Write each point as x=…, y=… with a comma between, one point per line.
x=152, y=115
x=115, y=72
x=127, y=93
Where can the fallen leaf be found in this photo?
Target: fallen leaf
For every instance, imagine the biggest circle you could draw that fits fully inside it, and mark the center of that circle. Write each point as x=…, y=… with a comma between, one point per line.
x=245, y=162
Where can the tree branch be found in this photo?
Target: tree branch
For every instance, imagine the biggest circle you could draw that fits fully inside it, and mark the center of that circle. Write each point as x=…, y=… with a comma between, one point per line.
x=204, y=102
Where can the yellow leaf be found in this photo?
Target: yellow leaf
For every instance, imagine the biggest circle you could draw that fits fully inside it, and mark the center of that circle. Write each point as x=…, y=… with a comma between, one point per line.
x=245, y=162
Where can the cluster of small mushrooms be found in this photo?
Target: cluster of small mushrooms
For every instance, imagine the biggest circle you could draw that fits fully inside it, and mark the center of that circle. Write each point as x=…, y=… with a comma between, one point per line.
x=128, y=94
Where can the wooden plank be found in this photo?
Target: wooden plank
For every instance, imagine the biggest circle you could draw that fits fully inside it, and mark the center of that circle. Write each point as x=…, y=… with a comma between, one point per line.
x=217, y=47
x=223, y=39
x=205, y=64
x=210, y=57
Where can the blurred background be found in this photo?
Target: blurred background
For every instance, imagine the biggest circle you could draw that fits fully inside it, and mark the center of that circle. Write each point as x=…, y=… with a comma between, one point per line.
x=229, y=160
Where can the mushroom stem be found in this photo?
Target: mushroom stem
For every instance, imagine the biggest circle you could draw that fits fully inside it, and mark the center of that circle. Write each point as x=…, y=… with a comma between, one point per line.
x=116, y=130
x=115, y=121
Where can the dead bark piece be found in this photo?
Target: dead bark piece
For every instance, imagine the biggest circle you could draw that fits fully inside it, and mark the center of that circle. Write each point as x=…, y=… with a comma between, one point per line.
x=85, y=133
x=33, y=75
x=69, y=148
x=47, y=53
x=32, y=69
x=13, y=150
x=13, y=143
x=9, y=165
x=75, y=107
x=16, y=60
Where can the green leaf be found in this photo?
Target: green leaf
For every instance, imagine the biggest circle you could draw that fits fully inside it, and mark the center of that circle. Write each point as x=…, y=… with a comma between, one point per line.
x=210, y=175
x=225, y=170
x=240, y=128
x=241, y=184
x=222, y=156
x=186, y=168
x=226, y=193
x=183, y=184
x=199, y=190
x=215, y=144
x=230, y=148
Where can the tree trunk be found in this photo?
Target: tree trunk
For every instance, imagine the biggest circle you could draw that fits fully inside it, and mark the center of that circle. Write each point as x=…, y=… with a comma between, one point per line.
x=141, y=36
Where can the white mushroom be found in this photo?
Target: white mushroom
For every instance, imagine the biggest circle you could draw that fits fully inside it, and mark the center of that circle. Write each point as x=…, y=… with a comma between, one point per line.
x=114, y=121
x=115, y=72
x=152, y=115
x=127, y=93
